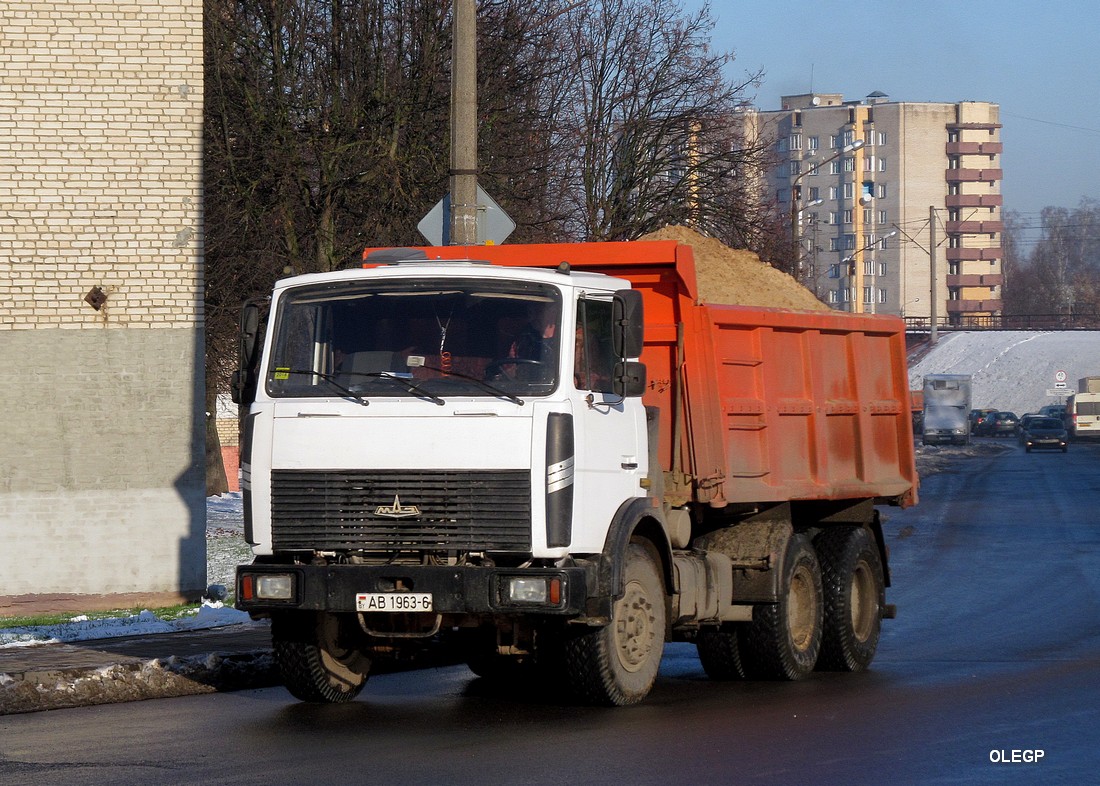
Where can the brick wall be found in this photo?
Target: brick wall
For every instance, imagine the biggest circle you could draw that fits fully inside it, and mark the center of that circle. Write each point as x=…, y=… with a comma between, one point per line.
x=101, y=482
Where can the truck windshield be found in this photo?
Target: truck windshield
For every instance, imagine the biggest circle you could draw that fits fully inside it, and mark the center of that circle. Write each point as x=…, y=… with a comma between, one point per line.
x=427, y=337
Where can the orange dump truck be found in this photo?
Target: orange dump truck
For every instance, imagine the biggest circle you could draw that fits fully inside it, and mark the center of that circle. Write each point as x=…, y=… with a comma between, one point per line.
x=670, y=470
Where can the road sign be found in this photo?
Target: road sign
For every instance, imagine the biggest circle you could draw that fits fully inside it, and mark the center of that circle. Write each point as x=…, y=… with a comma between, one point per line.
x=493, y=224
x=1059, y=376
x=1063, y=392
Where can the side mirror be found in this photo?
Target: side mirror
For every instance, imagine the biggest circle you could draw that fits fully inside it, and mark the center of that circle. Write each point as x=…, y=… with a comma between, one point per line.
x=630, y=378
x=627, y=323
x=243, y=382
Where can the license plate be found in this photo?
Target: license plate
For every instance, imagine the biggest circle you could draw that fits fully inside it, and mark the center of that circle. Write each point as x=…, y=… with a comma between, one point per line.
x=393, y=601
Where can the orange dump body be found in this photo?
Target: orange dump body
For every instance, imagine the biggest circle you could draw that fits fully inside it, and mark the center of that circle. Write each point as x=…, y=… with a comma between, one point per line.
x=755, y=404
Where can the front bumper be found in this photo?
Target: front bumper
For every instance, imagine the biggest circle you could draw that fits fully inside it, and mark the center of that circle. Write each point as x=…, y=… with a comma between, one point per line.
x=455, y=590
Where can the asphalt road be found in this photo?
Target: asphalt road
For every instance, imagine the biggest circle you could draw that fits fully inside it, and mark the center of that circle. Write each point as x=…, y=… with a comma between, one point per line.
x=994, y=657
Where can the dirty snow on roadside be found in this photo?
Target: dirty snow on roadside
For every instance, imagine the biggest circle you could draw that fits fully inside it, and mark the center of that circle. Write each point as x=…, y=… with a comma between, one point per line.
x=225, y=549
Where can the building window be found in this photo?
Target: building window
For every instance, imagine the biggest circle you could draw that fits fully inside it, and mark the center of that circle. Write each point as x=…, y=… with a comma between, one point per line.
x=782, y=195
x=868, y=163
x=849, y=191
x=830, y=218
x=882, y=296
x=953, y=268
x=834, y=167
x=849, y=242
x=848, y=216
x=834, y=192
x=812, y=143
x=795, y=167
x=795, y=142
x=881, y=138
x=881, y=164
x=867, y=215
x=781, y=145
x=869, y=267
x=834, y=244
x=882, y=268
x=849, y=164
x=867, y=295
x=834, y=271
x=882, y=216
x=834, y=140
x=814, y=194
x=881, y=191
x=848, y=137
x=832, y=296
x=882, y=243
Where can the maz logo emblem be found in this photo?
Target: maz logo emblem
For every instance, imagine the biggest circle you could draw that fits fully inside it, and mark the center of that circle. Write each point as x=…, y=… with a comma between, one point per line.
x=397, y=510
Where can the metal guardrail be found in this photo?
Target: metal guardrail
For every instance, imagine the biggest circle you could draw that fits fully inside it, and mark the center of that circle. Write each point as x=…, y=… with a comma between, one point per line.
x=1006, y=322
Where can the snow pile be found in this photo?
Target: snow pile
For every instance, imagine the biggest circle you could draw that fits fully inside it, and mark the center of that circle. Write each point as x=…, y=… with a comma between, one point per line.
x=81, y=628
x=1013, y=370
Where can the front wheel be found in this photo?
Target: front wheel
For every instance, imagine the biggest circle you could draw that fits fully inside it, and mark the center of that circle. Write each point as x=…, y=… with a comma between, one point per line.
x=616, y=665
x=315, y=664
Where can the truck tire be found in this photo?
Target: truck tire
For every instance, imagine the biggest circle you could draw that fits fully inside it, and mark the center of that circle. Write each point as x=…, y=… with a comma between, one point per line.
x=617, y=664
x=314, y=666
x=720, y=653
x=783, y=640
x=855, y=595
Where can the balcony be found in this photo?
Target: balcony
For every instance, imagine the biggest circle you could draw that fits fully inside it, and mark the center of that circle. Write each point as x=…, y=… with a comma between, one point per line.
x=974, y=200
x=973, y=227
x=974, y=148
x=973, y=254
x=974, y=306
x=973, y=175
x=976, y=280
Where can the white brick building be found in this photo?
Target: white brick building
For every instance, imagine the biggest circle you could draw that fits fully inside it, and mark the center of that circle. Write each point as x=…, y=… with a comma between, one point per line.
x=102, y=498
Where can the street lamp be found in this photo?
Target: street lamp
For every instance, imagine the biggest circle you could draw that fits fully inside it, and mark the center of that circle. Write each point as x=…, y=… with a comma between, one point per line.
x=796, y=213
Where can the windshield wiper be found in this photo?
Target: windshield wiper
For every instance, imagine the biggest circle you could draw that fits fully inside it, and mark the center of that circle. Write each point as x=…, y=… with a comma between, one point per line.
x=412, y=387
x=480, y=383
x=327, y=378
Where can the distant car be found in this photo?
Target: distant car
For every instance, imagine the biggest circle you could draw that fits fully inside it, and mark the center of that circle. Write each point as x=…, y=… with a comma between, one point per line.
x=997, y=424
x=1024, y=420
x=1002, y=424
x=977, y=416
x=1045, y=433
x=1053, y=411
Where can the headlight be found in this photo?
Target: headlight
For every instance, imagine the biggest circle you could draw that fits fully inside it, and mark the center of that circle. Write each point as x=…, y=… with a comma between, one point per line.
x=540, y=590
x=267, y=586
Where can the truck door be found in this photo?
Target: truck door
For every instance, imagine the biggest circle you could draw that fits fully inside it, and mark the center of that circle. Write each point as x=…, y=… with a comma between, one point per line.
x=610, y=447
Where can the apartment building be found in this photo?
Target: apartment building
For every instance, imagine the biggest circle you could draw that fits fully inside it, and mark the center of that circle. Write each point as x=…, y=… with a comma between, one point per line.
x=896, y=206
x=102, y=493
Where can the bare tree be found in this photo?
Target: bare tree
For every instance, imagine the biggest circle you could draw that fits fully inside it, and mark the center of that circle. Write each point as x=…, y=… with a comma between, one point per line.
x=655, y=124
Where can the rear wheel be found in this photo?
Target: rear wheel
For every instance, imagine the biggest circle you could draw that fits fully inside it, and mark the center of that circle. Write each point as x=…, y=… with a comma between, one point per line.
x=617, y=664
x=720, y=653
x=783, y=640
x=855, y=595
x=315, y=664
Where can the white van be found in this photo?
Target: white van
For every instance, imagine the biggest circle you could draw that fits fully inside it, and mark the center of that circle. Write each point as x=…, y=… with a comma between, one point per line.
x=1083, y=415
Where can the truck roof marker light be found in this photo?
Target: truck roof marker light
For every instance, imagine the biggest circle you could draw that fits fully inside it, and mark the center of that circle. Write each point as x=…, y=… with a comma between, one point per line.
x=564, y=268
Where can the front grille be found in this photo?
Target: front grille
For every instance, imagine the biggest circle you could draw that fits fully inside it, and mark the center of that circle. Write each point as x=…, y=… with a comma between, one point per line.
x=338, y=510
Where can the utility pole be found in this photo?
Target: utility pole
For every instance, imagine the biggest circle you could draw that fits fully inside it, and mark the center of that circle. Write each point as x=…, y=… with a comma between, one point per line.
x=933, y=306
x=463, y=186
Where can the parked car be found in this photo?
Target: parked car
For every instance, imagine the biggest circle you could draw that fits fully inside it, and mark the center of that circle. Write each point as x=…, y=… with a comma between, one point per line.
x=977, y=416
x=1045, y=433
